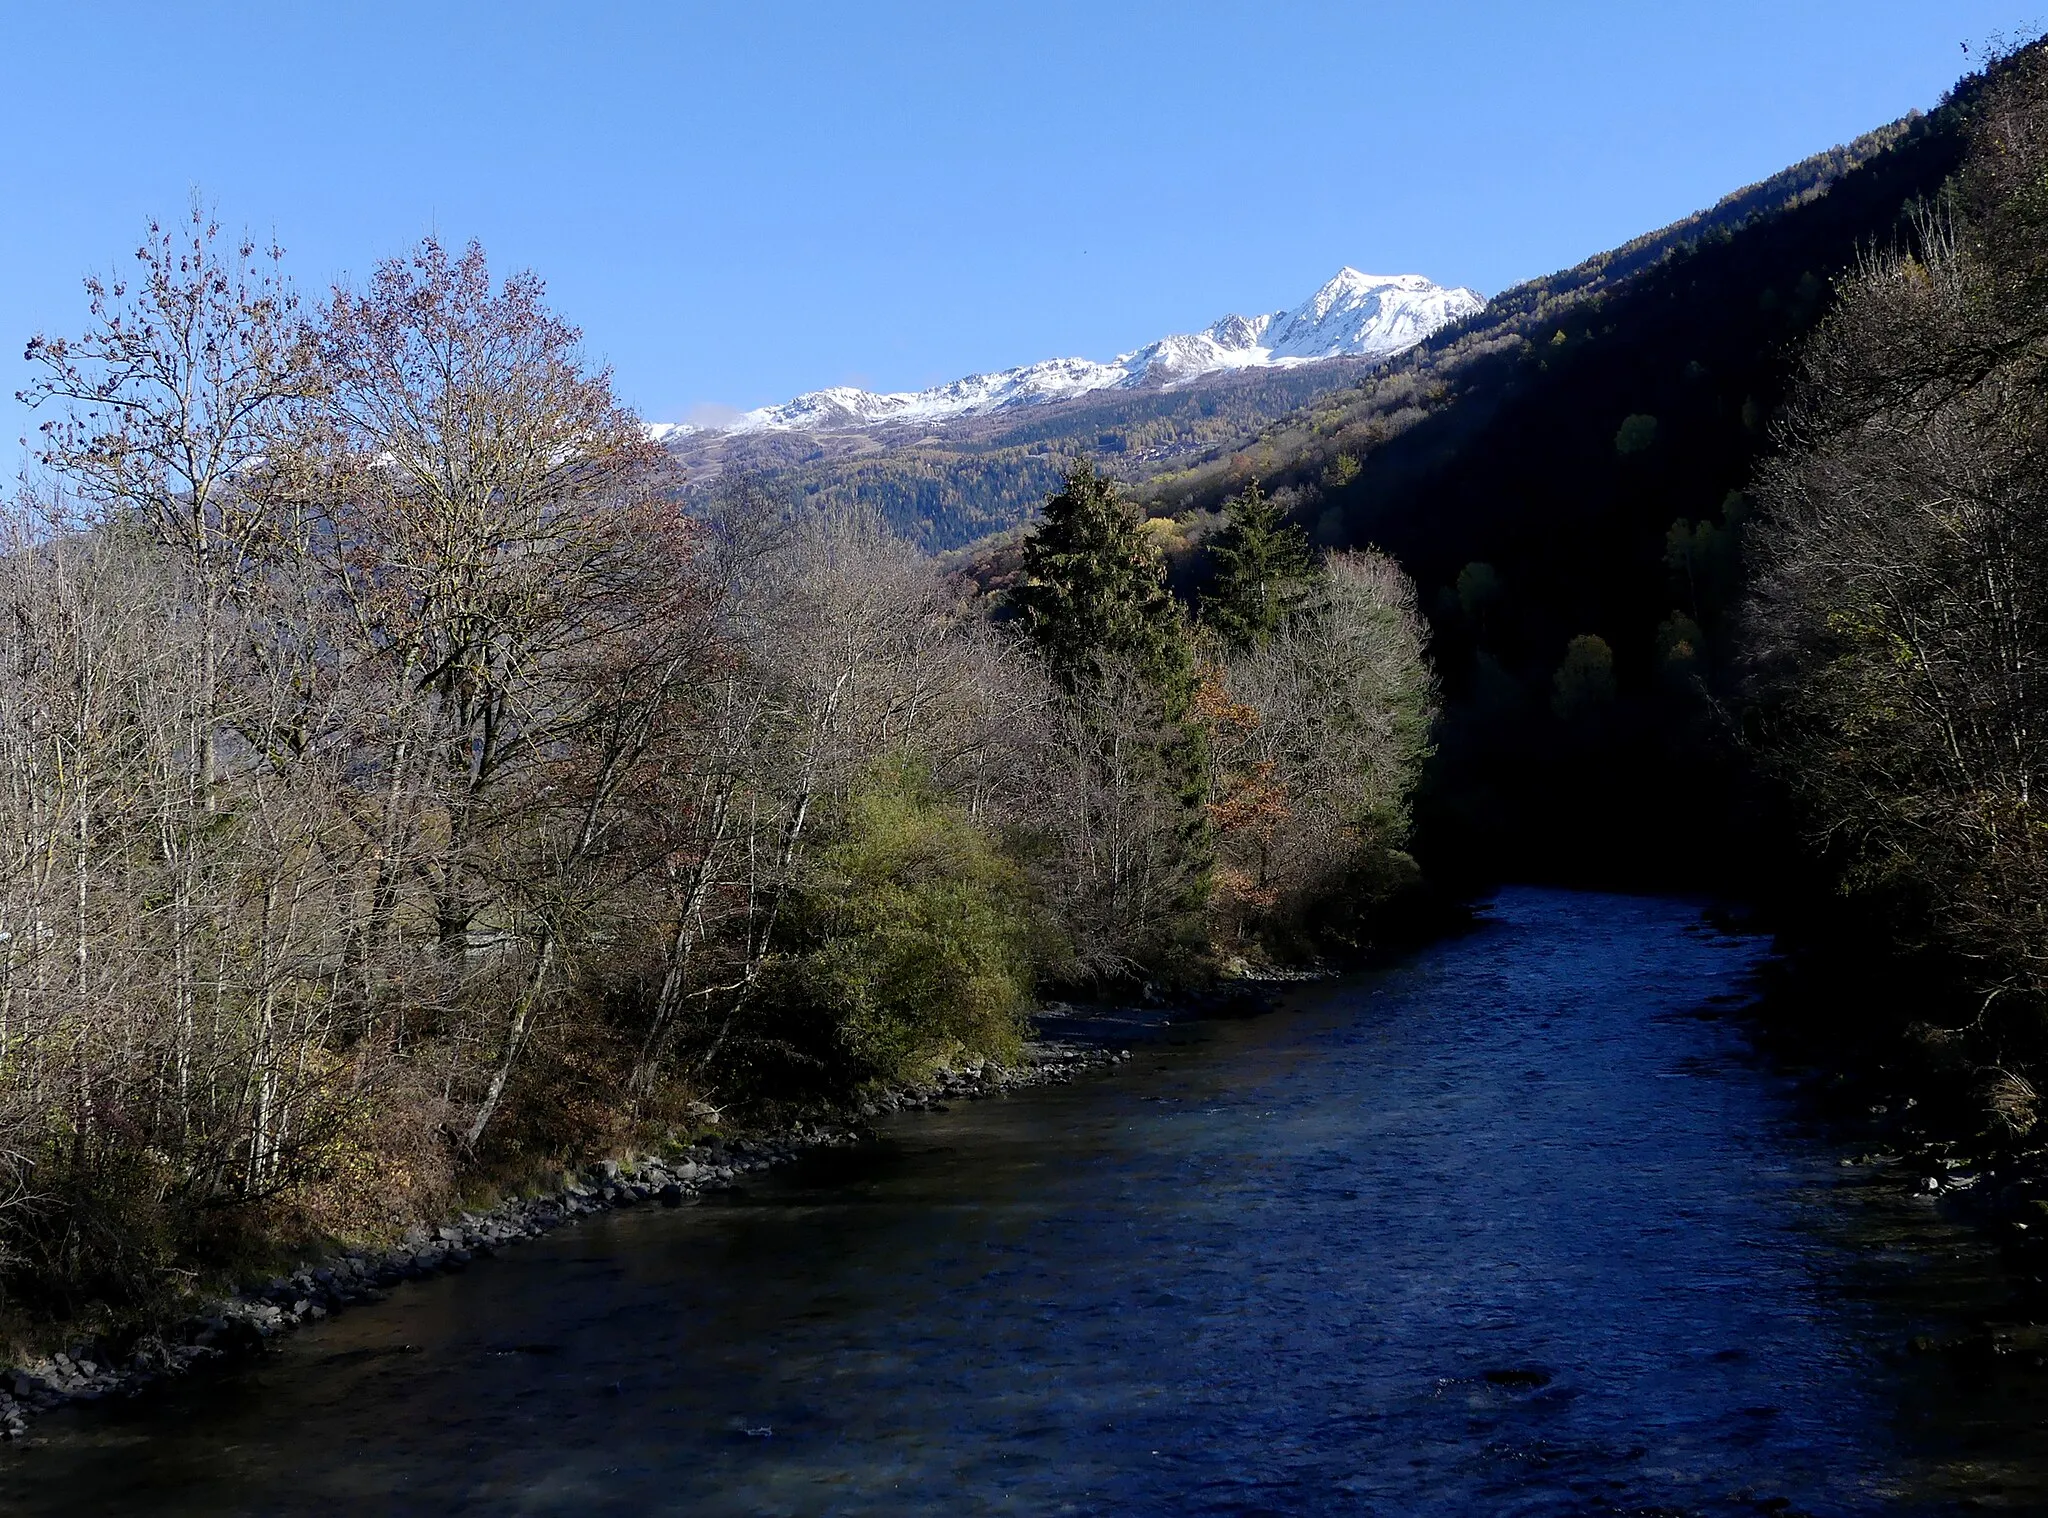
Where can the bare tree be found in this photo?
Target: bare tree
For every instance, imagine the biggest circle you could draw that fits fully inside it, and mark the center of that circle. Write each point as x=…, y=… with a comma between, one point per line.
x=187, y=379
x=1320, y=733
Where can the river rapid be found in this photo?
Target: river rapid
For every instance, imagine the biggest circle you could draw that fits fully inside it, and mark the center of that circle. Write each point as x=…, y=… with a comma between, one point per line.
x=1521, y=1225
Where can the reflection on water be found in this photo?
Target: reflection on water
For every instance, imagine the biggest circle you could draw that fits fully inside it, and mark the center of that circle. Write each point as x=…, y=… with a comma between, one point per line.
x=1517, y=1227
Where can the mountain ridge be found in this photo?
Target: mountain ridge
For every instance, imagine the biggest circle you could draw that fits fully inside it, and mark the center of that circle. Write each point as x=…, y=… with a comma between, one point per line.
x=1351, y=315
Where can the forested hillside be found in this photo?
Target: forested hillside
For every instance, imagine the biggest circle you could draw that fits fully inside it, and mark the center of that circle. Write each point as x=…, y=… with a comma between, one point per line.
x=1564, y=476
x=1317, y=448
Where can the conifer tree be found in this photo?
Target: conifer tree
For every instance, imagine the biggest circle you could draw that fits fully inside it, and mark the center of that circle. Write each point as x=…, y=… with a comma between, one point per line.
x=1265, y=572
x=1095, y=588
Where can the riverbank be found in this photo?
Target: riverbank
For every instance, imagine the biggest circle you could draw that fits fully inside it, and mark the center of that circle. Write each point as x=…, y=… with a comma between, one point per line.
x=1896, y=1059
x=1987, y=1183
x=1522, y=1222
x=244, y=1321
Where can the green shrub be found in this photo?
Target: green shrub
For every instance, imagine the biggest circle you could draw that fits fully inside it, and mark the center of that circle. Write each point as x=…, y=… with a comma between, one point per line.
x=918, y=935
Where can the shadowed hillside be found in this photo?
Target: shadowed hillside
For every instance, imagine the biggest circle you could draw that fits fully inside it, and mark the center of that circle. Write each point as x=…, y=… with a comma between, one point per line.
x=1562, y=475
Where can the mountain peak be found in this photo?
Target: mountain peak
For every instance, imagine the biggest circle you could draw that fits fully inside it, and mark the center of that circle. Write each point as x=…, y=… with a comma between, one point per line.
x=1350, y=278
x=1377, y=314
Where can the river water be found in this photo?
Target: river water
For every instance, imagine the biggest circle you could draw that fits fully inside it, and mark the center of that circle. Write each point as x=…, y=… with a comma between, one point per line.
x=1519, y=1226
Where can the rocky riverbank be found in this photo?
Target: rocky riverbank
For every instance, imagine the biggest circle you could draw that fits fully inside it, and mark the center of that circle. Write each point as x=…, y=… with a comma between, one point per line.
x=248, y=1319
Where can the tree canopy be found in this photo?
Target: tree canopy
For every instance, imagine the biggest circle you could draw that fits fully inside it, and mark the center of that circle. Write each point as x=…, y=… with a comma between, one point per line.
x=1095, y=586
x=1265, y=571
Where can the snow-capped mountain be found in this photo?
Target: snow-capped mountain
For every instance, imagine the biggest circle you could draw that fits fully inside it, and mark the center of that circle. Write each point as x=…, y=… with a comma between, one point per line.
x=1353, y=316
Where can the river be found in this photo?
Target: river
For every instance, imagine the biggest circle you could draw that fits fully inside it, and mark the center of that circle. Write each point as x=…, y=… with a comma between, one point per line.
x=1520, y=1225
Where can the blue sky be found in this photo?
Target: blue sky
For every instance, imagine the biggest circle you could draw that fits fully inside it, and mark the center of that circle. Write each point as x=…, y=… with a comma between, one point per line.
x=738, y=202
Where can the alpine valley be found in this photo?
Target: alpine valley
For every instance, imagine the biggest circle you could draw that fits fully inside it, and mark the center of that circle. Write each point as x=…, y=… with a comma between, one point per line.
x=957, y=462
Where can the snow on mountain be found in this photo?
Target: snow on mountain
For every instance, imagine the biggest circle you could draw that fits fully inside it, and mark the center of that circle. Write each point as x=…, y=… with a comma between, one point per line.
x=1353, y=316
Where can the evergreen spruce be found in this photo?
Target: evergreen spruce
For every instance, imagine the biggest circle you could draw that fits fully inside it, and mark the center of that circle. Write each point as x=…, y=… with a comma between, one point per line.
x=1265, y=572
x=1095, y=589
